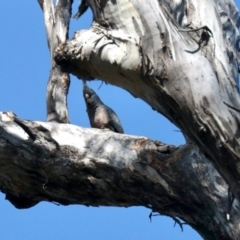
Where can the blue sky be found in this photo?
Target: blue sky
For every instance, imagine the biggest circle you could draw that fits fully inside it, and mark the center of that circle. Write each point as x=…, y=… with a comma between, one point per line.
x=25, y=65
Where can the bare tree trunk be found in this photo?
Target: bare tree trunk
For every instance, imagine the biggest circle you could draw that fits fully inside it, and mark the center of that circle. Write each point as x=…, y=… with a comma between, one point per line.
x=181, y=57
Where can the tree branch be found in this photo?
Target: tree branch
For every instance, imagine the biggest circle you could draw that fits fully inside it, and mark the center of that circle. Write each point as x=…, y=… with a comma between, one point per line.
x=152, y=59
x=67, y=164
x=57, y=20
x=182, y=59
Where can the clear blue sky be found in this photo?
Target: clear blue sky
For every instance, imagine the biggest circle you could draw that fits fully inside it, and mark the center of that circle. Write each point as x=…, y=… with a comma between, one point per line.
x=25, y=68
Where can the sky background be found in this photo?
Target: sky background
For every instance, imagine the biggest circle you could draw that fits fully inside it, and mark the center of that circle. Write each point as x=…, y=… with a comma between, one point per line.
x=25, y=65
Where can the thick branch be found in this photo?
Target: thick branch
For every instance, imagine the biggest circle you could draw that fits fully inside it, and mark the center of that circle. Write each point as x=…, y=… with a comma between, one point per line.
x=184, y=67
x=57, y=23
x=72, y=165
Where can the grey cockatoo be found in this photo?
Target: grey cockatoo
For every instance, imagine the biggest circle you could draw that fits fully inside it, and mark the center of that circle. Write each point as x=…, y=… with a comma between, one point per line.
x=100, y=115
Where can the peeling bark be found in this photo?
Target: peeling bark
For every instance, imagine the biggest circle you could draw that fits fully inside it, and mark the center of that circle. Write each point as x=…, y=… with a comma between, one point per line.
x=57, y=18
x=181, y=57
x=68, y=164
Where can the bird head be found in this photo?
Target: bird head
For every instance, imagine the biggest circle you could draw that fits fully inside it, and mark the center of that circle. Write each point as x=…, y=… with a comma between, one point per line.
x=91, y=98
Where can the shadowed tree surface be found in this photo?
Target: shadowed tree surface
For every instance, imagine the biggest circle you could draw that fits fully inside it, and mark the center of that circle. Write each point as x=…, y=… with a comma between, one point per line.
x=179, y=57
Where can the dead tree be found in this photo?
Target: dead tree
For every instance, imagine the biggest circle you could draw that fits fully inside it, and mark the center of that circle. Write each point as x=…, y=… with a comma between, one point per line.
x=181, y=57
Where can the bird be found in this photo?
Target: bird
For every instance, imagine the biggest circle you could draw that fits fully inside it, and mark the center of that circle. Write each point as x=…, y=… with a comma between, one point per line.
x=100, y=115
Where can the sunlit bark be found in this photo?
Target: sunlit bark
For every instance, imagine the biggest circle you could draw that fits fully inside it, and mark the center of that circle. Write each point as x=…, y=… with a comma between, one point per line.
x=57, y=18
x=181, y=57
x=71, y=165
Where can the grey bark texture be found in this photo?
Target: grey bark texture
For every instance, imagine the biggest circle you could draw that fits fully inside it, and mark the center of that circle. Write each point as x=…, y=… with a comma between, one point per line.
x=57, y=18
x=181, y=57
x=68, y=164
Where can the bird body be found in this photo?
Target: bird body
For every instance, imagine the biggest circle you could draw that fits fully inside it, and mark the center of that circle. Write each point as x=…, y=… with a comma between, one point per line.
x=100, y=115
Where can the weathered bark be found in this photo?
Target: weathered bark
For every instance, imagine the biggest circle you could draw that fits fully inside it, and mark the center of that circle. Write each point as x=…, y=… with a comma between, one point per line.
x=181, y=57
x=57, y=18
x=72, y=165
